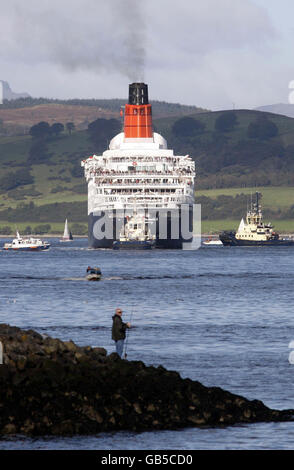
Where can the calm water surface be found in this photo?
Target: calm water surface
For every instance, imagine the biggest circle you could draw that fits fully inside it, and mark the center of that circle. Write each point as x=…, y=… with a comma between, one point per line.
x=222, y=316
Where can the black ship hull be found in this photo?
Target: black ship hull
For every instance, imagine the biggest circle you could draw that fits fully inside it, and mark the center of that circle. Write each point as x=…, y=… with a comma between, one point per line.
x=133, y=245
x=229, y=239
x=177, y=231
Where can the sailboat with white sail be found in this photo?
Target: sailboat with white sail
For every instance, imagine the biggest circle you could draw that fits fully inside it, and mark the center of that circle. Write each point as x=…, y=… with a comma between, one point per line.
x=67, y=235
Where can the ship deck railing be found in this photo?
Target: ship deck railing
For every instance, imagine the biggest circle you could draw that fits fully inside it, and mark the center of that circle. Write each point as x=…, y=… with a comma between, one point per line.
x=108, y=185
x=144, y=202
x=142, y=173
x=139, y=206
x=175, y=159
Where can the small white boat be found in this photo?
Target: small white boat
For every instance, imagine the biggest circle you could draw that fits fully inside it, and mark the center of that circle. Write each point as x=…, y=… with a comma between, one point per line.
x=26, y=244
x=67, y=235
x=212, y=242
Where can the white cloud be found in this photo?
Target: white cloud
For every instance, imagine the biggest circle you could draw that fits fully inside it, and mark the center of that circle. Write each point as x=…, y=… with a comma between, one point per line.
x=203, y=27
x=210, y=53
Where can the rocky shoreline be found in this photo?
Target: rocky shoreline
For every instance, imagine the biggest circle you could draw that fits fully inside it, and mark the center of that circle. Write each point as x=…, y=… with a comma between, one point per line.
x=54, y=387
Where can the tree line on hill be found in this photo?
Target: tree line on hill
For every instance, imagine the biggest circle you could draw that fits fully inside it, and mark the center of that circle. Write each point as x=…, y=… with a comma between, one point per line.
x=262, y=128
x=74, y=211
x=14, y=179
x=113, y=105
x=100, y=132
x=235, y=207
x=258, y=159
x=185, y=136
x=42, y=229
x=221, y=207
x=229, y=156
x=43, y=130
x=41, y=134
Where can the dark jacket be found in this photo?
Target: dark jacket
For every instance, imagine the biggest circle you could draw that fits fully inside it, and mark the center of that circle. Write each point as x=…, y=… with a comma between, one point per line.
x=118, y=328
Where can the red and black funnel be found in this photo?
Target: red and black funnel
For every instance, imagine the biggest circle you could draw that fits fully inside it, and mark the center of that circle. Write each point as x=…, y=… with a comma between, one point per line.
x=138, y=113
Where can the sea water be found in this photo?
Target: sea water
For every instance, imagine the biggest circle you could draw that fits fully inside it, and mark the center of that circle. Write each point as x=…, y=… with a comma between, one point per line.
x=221, y=316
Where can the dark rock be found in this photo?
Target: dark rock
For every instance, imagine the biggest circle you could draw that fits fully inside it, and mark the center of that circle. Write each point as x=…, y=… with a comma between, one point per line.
x=54, y=387
x=99, y=351
x=114, y=357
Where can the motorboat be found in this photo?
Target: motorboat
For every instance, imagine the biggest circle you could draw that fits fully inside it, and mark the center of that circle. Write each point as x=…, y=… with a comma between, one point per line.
x=212, y=242
x=93, y=274
x=26, y=244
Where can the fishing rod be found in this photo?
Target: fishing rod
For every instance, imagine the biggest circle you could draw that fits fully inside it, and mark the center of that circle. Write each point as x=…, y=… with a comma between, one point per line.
x=127, y=335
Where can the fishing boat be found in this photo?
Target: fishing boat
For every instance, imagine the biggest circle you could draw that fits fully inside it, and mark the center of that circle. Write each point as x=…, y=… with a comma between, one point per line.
x=67, y=235
x=254, y=232
x=93, y=274
x=135, y=235
x=26, y=244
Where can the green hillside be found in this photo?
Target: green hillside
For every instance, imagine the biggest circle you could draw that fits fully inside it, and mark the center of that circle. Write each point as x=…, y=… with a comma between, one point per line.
x=41, y=180
x=230, y=158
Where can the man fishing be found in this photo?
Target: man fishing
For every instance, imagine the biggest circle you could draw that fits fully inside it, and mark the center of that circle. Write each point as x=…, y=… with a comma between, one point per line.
x=119, y=331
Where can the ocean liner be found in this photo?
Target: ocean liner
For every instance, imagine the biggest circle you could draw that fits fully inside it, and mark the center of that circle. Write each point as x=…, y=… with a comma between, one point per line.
x=138, y=174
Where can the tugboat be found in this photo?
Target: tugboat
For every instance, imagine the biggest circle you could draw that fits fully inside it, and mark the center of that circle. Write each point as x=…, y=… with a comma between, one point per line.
x=26, y=244
x=135, y=235
x=254, y=232
x=93, y=274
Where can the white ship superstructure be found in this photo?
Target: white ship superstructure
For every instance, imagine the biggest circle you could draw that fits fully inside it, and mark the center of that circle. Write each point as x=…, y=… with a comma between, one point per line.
x=137, y=173
x=126, y=175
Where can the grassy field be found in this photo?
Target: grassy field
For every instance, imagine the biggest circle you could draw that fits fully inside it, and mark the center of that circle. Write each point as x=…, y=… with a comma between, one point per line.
x=272, y=198
x=207, y=226
x=279, y=197
x=56, y=227
x=217, y=226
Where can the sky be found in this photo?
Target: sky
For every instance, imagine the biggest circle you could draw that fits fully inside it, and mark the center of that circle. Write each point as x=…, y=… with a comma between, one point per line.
x=216, y=54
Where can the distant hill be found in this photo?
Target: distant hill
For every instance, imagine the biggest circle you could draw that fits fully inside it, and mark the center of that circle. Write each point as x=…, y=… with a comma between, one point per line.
x=231, y=149
x=231, y=158
x=16, y=121
x=19, y=115
x=160, y=108
x=10, y=95
x=280, y=108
